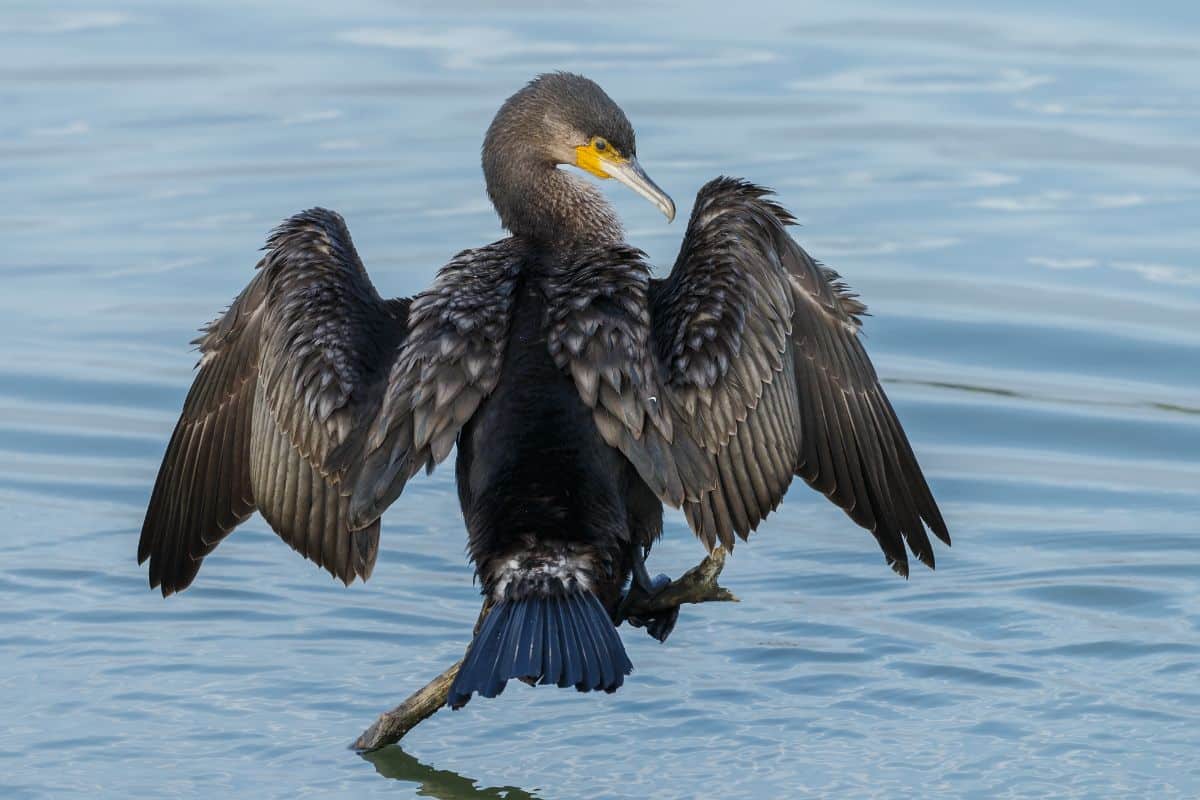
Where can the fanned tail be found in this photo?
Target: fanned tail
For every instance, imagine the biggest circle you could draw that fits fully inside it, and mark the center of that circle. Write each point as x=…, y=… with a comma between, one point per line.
x=564, y=639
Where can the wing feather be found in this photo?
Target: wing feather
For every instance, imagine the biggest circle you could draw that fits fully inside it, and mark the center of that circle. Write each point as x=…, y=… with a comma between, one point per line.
x=298, y=355
x=449, y=363
x=309, y=372
x=764, y=365
x=598, y=332
x=214, y=415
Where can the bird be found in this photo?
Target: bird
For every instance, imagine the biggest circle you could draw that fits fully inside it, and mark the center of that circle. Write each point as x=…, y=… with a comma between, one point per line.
x=582, y=393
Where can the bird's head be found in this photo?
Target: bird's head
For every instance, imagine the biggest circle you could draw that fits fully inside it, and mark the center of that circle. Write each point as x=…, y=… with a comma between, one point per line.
x=565, y=119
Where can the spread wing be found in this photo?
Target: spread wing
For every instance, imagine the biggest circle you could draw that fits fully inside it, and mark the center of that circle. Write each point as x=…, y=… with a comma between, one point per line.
x=283, y=375
x=763, y=362
x=289, y=380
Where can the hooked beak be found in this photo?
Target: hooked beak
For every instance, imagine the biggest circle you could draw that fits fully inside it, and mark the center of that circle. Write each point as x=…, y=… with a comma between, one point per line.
x=632, y=175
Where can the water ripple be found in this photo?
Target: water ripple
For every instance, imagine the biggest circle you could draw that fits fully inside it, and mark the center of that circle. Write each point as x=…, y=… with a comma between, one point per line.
x=1025, y=240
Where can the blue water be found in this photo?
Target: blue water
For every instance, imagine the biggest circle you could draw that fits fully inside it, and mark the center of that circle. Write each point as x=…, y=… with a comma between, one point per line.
x=1013, y=190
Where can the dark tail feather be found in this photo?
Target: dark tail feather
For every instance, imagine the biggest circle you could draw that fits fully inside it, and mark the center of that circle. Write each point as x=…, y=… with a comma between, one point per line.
x=587, y=647
x=568, y=640
x=568, y=650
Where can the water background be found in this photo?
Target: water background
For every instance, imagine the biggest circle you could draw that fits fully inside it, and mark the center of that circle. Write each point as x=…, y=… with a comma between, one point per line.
x=1013, y=190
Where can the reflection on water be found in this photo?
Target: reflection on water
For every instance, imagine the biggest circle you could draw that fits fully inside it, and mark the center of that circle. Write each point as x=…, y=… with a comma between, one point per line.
x=1014, y=193
x=392, y=762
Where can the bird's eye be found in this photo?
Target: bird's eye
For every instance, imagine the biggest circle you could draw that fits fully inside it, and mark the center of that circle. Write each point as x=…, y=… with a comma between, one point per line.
x=599, y=144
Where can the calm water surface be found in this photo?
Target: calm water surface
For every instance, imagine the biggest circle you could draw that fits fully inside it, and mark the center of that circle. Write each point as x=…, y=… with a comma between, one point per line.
x=1015, y=193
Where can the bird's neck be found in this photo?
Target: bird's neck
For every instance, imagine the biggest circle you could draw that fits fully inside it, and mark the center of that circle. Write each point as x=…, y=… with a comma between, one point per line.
x=552, y=207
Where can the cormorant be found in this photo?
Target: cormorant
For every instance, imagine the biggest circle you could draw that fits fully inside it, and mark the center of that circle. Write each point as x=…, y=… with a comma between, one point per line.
x=582, y=394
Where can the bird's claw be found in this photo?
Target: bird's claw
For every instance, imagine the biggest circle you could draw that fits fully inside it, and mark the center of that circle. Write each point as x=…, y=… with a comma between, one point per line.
x=658, y=625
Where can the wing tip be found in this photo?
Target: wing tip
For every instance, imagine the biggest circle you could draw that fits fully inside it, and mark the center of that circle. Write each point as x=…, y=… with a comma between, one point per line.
x=164, y=584
x=939, y=528
x=364, y=544
x=364, y=510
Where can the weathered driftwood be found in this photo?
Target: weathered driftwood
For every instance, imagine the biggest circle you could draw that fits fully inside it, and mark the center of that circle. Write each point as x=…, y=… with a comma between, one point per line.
x=697, y=585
